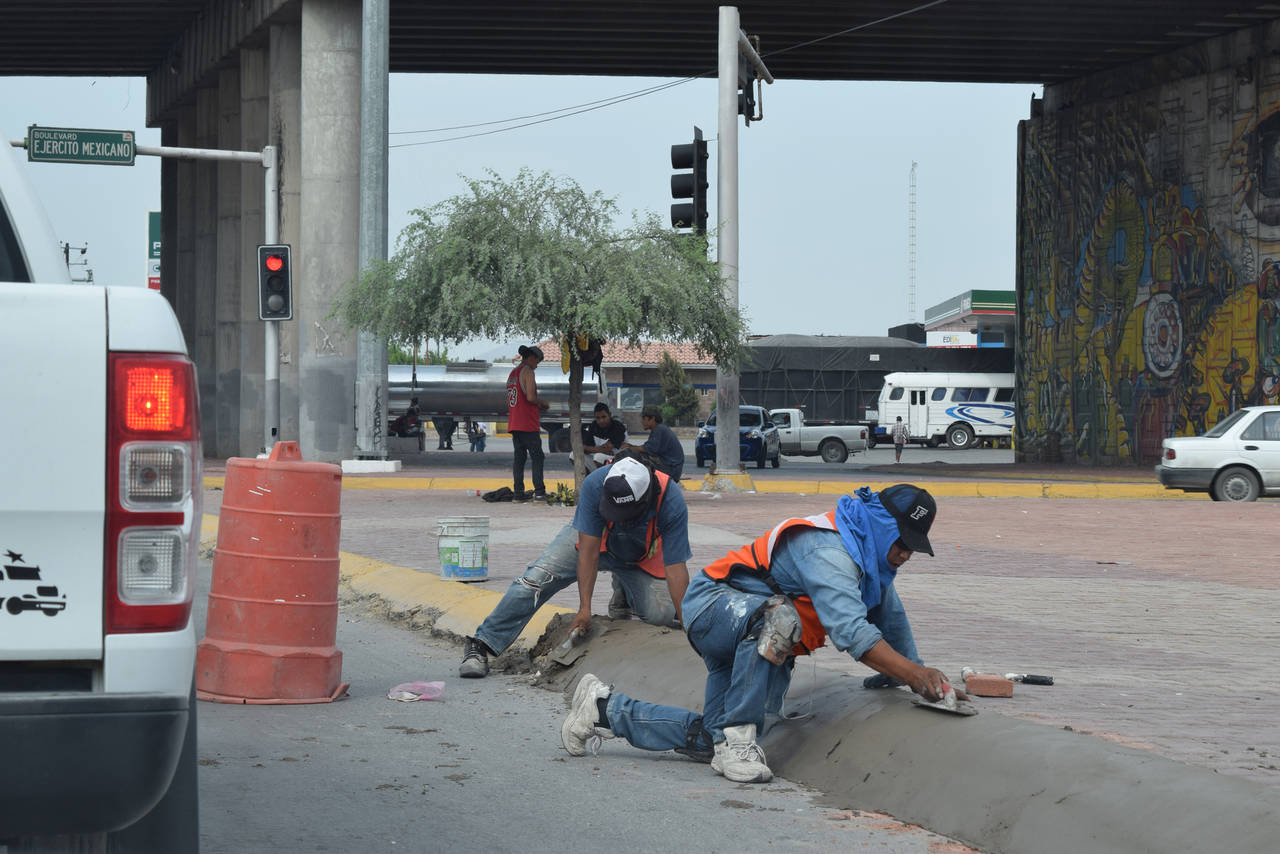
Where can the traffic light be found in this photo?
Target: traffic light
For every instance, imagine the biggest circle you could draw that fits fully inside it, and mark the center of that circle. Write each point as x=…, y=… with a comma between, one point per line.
x=746, y=94
x=275, y=276
x=690, y=185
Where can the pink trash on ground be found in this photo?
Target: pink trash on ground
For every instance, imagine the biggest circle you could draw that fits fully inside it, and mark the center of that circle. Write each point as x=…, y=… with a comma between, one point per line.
x=409, y=692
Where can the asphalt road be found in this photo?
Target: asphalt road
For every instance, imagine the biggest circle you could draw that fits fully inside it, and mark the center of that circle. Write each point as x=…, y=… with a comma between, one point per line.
x=479, y=770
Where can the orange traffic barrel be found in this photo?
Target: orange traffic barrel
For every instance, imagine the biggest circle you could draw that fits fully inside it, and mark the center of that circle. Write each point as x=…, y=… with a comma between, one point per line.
x=273, y=605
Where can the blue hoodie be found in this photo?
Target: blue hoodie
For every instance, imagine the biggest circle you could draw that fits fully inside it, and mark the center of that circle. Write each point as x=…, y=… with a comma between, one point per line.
x=867, y=531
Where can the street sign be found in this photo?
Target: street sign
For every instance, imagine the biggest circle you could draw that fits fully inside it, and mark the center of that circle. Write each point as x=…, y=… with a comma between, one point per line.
x=153, y=250
x=78, y=145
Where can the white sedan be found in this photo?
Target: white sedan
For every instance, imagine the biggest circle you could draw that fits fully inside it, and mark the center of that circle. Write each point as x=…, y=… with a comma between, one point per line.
x=1238, y=460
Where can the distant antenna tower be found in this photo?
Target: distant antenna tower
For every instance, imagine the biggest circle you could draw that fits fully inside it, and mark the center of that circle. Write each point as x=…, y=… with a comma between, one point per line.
x=911, y=247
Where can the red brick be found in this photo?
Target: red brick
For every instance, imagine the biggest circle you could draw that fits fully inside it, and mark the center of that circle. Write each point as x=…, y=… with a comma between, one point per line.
x=988, y=685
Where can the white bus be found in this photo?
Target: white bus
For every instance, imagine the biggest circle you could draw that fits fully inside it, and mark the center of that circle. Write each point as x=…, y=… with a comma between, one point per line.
x=959, y=409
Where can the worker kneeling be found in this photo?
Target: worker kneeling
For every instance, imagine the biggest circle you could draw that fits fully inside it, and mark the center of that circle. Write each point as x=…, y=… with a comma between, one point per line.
x=751, y=612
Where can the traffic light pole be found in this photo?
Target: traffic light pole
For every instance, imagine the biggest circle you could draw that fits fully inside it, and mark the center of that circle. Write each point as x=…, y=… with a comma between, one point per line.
x=727, y=461
x=266, y=158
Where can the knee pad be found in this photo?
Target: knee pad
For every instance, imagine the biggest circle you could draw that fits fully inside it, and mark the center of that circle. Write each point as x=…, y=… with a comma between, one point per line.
x=779, y=629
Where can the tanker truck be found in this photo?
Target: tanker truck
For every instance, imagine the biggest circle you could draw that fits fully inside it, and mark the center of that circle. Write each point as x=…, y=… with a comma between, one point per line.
x=477, y=391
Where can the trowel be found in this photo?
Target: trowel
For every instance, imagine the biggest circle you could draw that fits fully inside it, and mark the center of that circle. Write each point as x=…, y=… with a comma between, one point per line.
x=572, y=649
x=948, y=703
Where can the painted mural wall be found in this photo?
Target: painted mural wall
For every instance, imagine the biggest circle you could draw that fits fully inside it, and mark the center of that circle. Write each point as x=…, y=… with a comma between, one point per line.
x=1149, y=252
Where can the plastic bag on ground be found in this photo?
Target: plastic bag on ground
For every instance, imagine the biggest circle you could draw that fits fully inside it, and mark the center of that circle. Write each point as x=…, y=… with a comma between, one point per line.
x=410, y=692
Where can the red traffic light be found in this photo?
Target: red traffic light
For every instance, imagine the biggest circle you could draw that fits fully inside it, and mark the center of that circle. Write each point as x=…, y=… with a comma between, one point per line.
x=274, y=263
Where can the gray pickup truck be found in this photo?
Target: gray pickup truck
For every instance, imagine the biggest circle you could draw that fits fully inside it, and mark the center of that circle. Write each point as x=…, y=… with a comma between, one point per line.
x=833, y=442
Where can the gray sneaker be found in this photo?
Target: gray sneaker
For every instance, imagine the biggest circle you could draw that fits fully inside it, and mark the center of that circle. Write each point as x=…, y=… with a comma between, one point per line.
x=580, y=725
x=475, y=660
x=739, y=758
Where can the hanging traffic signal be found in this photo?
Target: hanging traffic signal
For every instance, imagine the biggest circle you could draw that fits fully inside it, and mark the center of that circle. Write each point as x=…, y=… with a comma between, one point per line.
x=275, y=286
x=746, y=94
x=690, y=185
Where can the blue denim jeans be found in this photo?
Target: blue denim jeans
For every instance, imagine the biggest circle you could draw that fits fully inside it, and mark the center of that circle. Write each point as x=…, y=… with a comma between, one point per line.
x=554, y=570
x=741, y=686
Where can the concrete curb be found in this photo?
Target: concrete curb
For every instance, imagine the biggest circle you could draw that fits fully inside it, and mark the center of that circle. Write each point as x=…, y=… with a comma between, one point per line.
x=995, y=782
x=946, y=487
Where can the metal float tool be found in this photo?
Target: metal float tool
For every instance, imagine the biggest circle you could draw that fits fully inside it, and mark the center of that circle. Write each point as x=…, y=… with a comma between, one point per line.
x=948, y=703
x=571, y=650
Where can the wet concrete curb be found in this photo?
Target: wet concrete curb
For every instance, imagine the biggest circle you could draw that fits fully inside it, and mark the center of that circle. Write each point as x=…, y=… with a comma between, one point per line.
x=991, y=781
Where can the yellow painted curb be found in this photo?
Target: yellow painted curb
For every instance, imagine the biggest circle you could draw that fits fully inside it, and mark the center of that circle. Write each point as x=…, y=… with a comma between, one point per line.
x=728, y=483
x=949, y=488
x=459, y=607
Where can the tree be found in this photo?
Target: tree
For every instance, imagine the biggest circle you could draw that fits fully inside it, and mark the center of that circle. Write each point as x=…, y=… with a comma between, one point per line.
x=676, y=387
x=539, y=257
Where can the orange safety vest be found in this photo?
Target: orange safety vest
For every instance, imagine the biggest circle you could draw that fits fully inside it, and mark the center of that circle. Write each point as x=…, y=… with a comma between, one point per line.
x=755, y=558
x=652, y=560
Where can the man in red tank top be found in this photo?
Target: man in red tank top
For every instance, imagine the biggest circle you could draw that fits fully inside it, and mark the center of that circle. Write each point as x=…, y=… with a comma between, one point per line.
x=524, y=409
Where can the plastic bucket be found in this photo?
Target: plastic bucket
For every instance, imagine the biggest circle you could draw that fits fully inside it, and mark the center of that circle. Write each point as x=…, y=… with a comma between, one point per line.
x=464, y=548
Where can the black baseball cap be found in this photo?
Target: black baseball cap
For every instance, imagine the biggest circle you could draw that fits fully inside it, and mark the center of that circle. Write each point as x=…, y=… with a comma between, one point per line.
x=622, y=497
x=914, y=509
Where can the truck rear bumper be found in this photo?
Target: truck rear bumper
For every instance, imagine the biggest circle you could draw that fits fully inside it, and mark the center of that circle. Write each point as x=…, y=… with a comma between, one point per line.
x=85, y=763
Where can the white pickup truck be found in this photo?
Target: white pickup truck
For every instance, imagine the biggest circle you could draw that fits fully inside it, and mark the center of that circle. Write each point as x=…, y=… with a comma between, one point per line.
x=833, y=442
x=99, y=525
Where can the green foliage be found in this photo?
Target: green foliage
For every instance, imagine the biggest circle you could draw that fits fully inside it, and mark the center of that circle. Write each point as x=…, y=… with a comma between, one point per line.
x=563, y=494
x=397, y=355
x=540, y=257
x=668, y=414
x=677, y=389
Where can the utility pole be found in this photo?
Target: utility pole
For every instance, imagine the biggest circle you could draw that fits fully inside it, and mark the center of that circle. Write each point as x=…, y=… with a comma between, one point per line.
x=733, y=44
x=371, y=350
x=911, y=246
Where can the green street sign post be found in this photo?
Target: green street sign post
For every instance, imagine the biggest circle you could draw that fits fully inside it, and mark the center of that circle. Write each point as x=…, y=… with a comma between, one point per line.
x=78, y=145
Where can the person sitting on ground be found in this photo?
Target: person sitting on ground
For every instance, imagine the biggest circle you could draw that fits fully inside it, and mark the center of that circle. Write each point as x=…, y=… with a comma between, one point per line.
x=407, y=423
x=662, y=448
x=752, y=611
x=629, y=522
x=603, y=437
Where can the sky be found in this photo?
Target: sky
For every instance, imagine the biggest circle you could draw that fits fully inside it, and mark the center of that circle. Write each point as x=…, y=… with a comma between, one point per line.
x=823, y=179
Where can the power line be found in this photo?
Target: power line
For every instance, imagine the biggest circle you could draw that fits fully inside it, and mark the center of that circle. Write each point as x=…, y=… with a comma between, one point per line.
x=566, y=112
x=845, y=32
x=550, y=118
x=602, y=101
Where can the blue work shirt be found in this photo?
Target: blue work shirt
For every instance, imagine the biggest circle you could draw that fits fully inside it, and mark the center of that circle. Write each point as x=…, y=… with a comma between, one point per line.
x=814, y=562
x=673, y=519
x=664, y=445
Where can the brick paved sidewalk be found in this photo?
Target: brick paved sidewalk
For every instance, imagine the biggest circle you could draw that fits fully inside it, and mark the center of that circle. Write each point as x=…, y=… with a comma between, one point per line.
x=1160, y=621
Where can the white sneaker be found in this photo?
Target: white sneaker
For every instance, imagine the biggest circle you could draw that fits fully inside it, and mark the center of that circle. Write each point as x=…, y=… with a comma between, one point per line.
x=739, y=758
x=579, y=725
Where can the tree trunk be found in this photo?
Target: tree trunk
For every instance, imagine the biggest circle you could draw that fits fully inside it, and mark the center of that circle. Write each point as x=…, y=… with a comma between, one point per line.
x=575, y=414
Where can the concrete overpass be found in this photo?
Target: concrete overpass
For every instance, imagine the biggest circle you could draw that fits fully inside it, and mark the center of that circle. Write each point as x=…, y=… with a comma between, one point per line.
x=241, y=74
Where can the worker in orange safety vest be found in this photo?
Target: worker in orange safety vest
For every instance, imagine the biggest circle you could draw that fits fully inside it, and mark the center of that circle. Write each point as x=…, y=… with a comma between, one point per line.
x=749, y=613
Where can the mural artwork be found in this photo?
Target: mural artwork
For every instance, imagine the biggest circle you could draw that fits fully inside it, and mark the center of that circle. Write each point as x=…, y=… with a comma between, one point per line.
x=1149, y=268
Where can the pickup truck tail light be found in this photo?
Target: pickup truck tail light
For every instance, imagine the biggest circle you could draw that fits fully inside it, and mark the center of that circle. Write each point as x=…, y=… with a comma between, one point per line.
x=1170, y=454
x=153, y=492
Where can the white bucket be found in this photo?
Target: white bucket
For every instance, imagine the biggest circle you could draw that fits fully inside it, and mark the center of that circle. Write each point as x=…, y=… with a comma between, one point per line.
x=464, y=548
